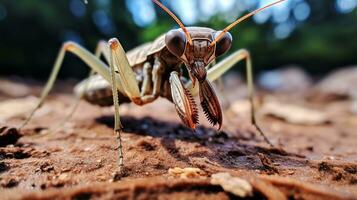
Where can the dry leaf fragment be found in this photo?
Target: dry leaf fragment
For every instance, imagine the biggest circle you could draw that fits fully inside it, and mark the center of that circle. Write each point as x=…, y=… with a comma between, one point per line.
x=268, y=164
x=269, y=191
x=234, y=185
x=294, y=114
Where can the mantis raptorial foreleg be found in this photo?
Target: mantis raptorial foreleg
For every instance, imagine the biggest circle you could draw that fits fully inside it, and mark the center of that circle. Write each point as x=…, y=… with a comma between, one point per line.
x=220, y=86
x=219, y=69
x=114, y=54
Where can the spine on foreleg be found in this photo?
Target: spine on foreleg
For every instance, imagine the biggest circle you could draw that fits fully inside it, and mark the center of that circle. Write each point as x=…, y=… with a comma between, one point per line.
x=210, y=104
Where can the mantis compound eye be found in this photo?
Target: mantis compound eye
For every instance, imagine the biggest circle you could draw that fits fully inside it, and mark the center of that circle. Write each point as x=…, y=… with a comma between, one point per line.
x=176, y=42
x=223, y=44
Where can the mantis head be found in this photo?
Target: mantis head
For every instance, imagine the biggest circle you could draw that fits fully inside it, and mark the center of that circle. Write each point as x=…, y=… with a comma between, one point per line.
x=198, y=52
x=197, y=47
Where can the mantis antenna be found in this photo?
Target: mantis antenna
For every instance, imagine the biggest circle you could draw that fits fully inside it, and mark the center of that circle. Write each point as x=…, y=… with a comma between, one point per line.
x=242, y=19
x=176, y=19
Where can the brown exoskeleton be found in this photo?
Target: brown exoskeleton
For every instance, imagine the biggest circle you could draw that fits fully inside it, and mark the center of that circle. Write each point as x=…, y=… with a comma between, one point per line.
x=154, y=69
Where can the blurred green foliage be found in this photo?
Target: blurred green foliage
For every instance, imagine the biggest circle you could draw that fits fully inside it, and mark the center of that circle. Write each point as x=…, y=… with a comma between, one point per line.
x=32, y=32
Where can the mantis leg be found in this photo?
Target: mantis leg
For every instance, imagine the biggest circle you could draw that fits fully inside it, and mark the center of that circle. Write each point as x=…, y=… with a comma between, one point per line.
x=117, y=123
x=156, y=78
x=125, y=83
x=93, y=62
x=146, y=86
x=101, y=49
x=219, y=69
x=119, y=65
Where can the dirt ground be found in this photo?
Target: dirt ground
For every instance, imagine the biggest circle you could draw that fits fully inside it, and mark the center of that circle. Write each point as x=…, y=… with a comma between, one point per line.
x=314, y=158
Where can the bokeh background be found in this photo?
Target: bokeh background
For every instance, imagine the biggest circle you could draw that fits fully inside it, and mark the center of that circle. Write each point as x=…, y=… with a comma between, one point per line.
x=317, y=35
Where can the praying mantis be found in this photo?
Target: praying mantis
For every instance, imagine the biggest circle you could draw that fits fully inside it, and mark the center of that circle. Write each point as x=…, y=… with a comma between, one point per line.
x=154, y=70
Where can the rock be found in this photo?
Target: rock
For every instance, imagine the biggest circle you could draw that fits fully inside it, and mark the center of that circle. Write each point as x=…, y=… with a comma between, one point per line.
x=341, y=82
x=290, y=80
x=13, y=89
x=234, y=185
x=185, y=173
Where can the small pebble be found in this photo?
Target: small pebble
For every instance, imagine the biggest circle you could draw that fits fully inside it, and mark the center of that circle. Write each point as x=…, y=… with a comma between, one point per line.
x=329, y=158
x=63, y=177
